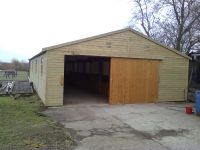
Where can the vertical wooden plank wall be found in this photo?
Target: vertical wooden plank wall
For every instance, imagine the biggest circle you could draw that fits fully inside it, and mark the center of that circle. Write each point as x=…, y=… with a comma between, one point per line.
x=133, y=81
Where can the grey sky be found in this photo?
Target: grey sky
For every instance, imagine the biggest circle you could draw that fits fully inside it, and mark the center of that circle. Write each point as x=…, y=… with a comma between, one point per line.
x=26, y=26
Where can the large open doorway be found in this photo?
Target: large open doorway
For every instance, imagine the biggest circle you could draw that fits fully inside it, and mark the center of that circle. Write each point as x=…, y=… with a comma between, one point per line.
x=86, y=79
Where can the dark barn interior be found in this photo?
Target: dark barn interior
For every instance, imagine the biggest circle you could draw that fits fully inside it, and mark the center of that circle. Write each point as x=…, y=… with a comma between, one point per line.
x=86, y=79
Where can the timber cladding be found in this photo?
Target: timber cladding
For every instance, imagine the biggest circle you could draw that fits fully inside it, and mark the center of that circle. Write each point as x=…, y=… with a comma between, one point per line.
x=141, y=70
x=133, y=81
x=38, y=72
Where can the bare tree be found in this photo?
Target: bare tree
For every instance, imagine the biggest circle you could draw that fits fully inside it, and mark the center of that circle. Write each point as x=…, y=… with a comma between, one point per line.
x=175, y=23
x=145, y=16
x=19, y=65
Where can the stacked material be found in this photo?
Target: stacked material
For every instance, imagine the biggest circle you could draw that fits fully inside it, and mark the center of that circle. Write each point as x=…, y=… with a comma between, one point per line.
x=6, y=87
x=22, y=87
x=15, y=87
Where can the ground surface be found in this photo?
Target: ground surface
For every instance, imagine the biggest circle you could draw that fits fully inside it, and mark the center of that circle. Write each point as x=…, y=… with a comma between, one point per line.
x=21, y=76
x=76, y=96
x=23, y=127
x=130, y=127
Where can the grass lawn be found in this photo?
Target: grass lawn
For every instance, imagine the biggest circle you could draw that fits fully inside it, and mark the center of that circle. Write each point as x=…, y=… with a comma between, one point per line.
x=23, y=127
x=21, y=76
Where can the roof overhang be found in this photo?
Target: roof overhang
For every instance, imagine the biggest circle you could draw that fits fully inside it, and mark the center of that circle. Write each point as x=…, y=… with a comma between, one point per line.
x=108, y=34
x=37, y=55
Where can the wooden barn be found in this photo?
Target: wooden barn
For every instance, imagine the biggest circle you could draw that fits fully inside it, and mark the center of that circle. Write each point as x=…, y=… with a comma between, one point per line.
x=119, y=67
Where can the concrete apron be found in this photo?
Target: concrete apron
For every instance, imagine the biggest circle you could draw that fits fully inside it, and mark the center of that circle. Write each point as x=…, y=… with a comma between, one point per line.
x=162, y=126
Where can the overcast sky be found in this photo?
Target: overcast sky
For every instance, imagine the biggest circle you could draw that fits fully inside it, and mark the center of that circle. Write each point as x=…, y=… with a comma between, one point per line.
x=26, y=26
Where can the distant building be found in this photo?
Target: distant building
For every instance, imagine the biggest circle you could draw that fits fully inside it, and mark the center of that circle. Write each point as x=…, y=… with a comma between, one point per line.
x=194, y=70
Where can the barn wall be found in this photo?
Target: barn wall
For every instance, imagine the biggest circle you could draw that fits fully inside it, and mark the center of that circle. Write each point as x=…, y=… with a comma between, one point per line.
x=55, y=79
x=173, y=79
x=38, y=72
x=173, y=67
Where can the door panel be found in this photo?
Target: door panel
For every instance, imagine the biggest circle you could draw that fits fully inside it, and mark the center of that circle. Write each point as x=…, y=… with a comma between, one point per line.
x=133, y=81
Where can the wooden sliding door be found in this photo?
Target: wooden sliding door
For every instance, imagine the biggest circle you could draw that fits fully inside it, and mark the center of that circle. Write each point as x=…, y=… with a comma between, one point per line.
x=133, y=81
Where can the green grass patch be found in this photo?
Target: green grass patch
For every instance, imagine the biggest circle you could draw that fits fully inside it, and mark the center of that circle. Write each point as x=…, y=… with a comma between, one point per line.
x=23, y=126
x=21, y=76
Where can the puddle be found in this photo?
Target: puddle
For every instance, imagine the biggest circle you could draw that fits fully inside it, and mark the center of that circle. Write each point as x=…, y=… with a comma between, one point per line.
x=171, y=132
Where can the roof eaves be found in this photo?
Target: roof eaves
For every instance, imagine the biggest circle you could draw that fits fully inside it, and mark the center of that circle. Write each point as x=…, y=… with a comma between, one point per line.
x=111, y=33
x=158, y=43
x=39, y=54
x=84, y=39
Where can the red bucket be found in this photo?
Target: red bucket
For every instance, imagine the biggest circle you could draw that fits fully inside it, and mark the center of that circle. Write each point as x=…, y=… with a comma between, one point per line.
x=188, y=109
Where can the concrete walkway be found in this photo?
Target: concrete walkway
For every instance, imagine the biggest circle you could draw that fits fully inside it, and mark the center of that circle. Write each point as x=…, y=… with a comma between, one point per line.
x=162, y=126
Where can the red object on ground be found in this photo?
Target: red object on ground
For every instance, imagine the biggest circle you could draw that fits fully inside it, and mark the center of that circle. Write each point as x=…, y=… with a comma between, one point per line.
x=188, y=109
